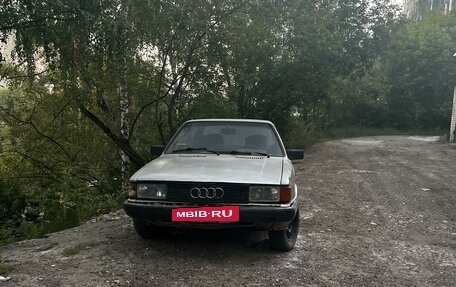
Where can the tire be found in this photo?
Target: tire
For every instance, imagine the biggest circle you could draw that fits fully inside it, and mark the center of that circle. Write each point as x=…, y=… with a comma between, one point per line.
x=147, y=230
x=284, y=240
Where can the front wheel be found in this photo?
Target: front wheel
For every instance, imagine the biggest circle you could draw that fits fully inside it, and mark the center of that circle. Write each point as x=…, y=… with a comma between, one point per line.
x=146, y=230
x=285, y=240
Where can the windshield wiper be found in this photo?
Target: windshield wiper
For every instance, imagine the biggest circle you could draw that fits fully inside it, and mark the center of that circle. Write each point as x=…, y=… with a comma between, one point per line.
x=195, y=149
x=249, y=153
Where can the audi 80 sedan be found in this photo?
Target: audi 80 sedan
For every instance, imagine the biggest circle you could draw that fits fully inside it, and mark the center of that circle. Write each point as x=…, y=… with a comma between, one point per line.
x=219, y=173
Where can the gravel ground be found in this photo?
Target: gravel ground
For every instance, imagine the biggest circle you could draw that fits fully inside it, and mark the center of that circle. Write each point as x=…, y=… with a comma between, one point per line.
x=377, y=211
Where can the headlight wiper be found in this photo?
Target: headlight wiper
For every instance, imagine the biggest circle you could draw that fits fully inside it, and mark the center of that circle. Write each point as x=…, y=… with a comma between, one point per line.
x=195, y=149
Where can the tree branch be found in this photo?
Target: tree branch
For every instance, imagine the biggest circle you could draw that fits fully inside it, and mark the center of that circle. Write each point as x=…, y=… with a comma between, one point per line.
x=33, y=23
x=39, y=164
x=37, y=130
x=121, y=143
x=159, y=86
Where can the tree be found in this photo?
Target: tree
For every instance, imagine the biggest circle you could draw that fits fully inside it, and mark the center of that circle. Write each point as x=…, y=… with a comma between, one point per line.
x=92, y=80
x=421, y=70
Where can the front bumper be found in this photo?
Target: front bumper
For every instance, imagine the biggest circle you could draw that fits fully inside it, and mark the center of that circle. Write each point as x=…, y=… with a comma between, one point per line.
x=265, y=217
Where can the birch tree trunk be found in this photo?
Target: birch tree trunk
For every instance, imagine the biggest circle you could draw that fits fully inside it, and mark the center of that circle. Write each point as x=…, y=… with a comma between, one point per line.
x=122, y=92
x=124, y=128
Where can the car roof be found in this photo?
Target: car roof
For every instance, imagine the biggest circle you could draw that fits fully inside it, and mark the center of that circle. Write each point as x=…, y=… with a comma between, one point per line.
x=230, y=120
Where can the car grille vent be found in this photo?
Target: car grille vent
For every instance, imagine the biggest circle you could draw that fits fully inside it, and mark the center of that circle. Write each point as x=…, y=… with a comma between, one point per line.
x=249, y=157
x=233, y=192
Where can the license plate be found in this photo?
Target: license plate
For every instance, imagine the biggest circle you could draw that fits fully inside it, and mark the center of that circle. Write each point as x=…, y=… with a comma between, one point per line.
x=215, y=214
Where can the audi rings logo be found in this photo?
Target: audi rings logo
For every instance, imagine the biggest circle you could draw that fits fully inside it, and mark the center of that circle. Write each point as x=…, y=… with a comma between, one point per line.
x=207, y=192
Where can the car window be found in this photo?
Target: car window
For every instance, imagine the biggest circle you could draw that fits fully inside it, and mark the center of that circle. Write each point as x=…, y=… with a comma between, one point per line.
x=226, y=137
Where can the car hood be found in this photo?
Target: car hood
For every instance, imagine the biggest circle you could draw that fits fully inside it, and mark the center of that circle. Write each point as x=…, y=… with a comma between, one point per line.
x=212, y=168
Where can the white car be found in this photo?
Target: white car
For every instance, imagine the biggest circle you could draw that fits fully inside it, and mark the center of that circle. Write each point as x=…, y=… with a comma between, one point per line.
x=219, y=173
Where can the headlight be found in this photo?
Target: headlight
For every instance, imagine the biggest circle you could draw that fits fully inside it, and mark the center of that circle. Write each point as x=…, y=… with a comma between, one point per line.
x=151, y=191
x=264, y=194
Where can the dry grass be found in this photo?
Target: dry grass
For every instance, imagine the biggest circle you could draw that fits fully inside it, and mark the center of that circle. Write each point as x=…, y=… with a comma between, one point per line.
x=5, y=269
x=73, y=250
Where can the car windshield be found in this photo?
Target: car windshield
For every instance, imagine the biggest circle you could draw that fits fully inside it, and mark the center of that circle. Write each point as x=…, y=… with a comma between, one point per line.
x=247, y=138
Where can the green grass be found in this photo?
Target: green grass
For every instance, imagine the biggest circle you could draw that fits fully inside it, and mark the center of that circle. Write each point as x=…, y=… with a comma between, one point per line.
x=5, y=269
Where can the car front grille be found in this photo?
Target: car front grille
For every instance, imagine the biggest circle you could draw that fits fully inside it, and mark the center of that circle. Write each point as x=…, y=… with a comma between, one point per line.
x=232, y=192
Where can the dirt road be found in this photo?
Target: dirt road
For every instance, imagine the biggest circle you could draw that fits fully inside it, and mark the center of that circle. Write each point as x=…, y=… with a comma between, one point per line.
x=378, y=211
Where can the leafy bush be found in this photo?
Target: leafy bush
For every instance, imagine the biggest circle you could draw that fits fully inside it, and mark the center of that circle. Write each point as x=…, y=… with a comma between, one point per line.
x=34, y=212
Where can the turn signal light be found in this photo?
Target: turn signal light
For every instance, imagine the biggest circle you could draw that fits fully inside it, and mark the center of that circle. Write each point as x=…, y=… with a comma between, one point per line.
x=132, y=190
x=286, y=194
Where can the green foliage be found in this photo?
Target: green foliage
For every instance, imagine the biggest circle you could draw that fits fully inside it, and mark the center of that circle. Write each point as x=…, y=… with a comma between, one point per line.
x=93, y=79
x=421, y=71
x=48, y=158
x=33, y=210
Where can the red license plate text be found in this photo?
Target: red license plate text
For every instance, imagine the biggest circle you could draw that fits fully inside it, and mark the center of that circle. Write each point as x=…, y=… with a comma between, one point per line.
x=206, y=214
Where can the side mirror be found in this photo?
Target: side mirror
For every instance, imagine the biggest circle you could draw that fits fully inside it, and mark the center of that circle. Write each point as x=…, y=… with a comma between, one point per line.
x=157, y=149
x=295, y=154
